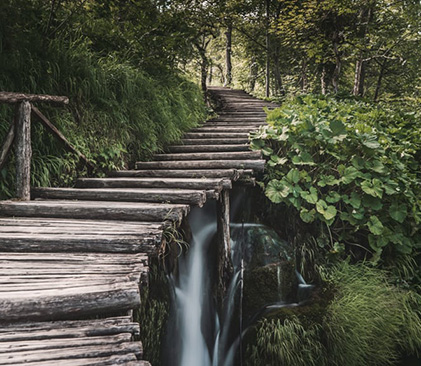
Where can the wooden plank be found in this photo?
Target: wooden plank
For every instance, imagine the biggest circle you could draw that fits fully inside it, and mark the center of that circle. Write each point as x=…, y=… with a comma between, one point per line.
x=125, y=359
x=184, y=196
x=237, y=155
x=232, y=174
x=23, y=151
x=7, y=145
x=56, y=133
x=106, y=243
x=257, y=165
x=9, y=97
x=214, y=141
x=224, y=129
x=90, y=225
x=92, y=209
x=186, y=183
x=93, y=351
x=207, y=148
x=68, y=303
x=216, y=135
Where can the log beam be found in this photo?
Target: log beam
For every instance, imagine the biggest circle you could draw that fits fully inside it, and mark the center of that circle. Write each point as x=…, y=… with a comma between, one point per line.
x=23, y=151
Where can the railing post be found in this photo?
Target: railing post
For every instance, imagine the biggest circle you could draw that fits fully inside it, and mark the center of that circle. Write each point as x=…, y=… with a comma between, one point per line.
x=224, y=246
x=23, y=151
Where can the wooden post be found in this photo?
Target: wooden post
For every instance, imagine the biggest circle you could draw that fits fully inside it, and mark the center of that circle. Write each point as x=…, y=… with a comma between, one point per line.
x=224, y=246
x=23, y=150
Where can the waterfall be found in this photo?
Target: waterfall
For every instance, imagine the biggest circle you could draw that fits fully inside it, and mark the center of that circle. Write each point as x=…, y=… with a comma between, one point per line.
x=200, y=335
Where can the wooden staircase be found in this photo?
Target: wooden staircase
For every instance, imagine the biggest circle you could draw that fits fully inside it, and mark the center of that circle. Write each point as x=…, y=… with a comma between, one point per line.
x=71, y=254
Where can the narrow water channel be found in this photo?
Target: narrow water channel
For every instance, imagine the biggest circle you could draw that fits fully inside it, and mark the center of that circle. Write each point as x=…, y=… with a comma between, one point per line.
x=201, y=334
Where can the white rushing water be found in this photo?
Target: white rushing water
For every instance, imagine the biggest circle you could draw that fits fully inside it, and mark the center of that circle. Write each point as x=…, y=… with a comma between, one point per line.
x=200, y=336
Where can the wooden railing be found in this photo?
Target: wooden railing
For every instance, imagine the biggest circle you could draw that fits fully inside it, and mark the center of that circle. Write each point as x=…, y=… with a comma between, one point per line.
x=20, y=134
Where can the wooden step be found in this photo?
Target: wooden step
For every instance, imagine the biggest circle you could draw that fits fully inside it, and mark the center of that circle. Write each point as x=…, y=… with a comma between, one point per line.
x=45, y=343
x=95, y=210
x=184, y=196
x=240, y=155
x=257, y=165
x=232, y=174
x=58, y=235
x=207, y=148
x=215, y=141
x=87, y=292
x=223, y=129
x=216, y=184
x=213, y=135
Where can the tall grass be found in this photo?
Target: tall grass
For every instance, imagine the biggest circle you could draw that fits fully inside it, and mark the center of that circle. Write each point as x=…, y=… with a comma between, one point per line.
x=369, y=322
x=117, y=113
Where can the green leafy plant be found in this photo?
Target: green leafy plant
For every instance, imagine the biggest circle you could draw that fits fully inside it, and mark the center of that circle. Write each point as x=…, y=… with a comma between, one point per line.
x=339, y=165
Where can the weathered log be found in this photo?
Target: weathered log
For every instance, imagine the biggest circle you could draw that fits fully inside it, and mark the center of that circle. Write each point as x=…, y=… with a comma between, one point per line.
x=55, y=132
x=67, y=328
x=8, y=97
x=67, y=303
x=185, y=196
x=87, y=226
x=214, y=141
x=257, y=165
x=207, y=148
x=238, y=155
x=232, y=174
x=106, y=243
x=184, y=183
x=224, y=247
x=23, y=151
x=93, y=209
x=76, y=352
x=126, y=360
x=223, y=129
x=213, y=135
x=7, y=145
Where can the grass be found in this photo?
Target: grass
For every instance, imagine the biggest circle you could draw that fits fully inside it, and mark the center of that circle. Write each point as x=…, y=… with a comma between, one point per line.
x=368, y=322
x=117, y=114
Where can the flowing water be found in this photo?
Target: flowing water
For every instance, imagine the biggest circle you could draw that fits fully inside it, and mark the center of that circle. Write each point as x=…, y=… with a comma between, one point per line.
x=199, y=335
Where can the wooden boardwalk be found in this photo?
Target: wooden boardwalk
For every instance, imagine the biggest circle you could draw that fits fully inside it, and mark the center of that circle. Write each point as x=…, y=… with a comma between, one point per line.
x=73, y=254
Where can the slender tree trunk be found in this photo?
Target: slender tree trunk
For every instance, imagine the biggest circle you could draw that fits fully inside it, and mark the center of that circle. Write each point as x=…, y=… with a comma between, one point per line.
x=228, y=64
x=279, y=88
x=304, y=79
x=323, y=80
x=253, y=73
x=359, y=77
x=338, y=64
x=267, y=86
x=379, y=80
x=210, y=77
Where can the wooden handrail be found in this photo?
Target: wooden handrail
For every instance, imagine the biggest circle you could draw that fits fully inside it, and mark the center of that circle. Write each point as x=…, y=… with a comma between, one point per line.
x=11, y=98
x=20, y=132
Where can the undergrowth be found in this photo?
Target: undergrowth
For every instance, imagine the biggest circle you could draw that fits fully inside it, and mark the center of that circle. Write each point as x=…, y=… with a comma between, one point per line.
x=368, y=322
x=117, y=113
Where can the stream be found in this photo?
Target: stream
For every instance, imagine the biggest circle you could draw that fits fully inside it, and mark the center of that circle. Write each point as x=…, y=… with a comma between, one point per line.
x=264, y=278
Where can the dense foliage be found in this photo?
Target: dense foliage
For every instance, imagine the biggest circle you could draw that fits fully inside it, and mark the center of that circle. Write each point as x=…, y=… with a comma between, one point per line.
x=350, y=167
x=368, y=322
x=126, y=98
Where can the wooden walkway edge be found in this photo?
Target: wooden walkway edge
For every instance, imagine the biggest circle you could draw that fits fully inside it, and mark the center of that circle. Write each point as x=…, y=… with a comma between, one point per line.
x=71, y=254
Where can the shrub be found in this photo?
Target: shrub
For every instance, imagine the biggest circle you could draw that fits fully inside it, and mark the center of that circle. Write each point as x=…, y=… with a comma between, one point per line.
x=340, y=165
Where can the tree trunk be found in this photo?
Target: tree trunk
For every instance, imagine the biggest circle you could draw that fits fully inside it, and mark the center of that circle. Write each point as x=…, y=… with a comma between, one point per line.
x=228, y=64
x=338, y=63
x=267, y=86
x=359, y=77
x=279, y=88
x=253, y=73
x=379, y=80
x=323, y=80
x=304, y=79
